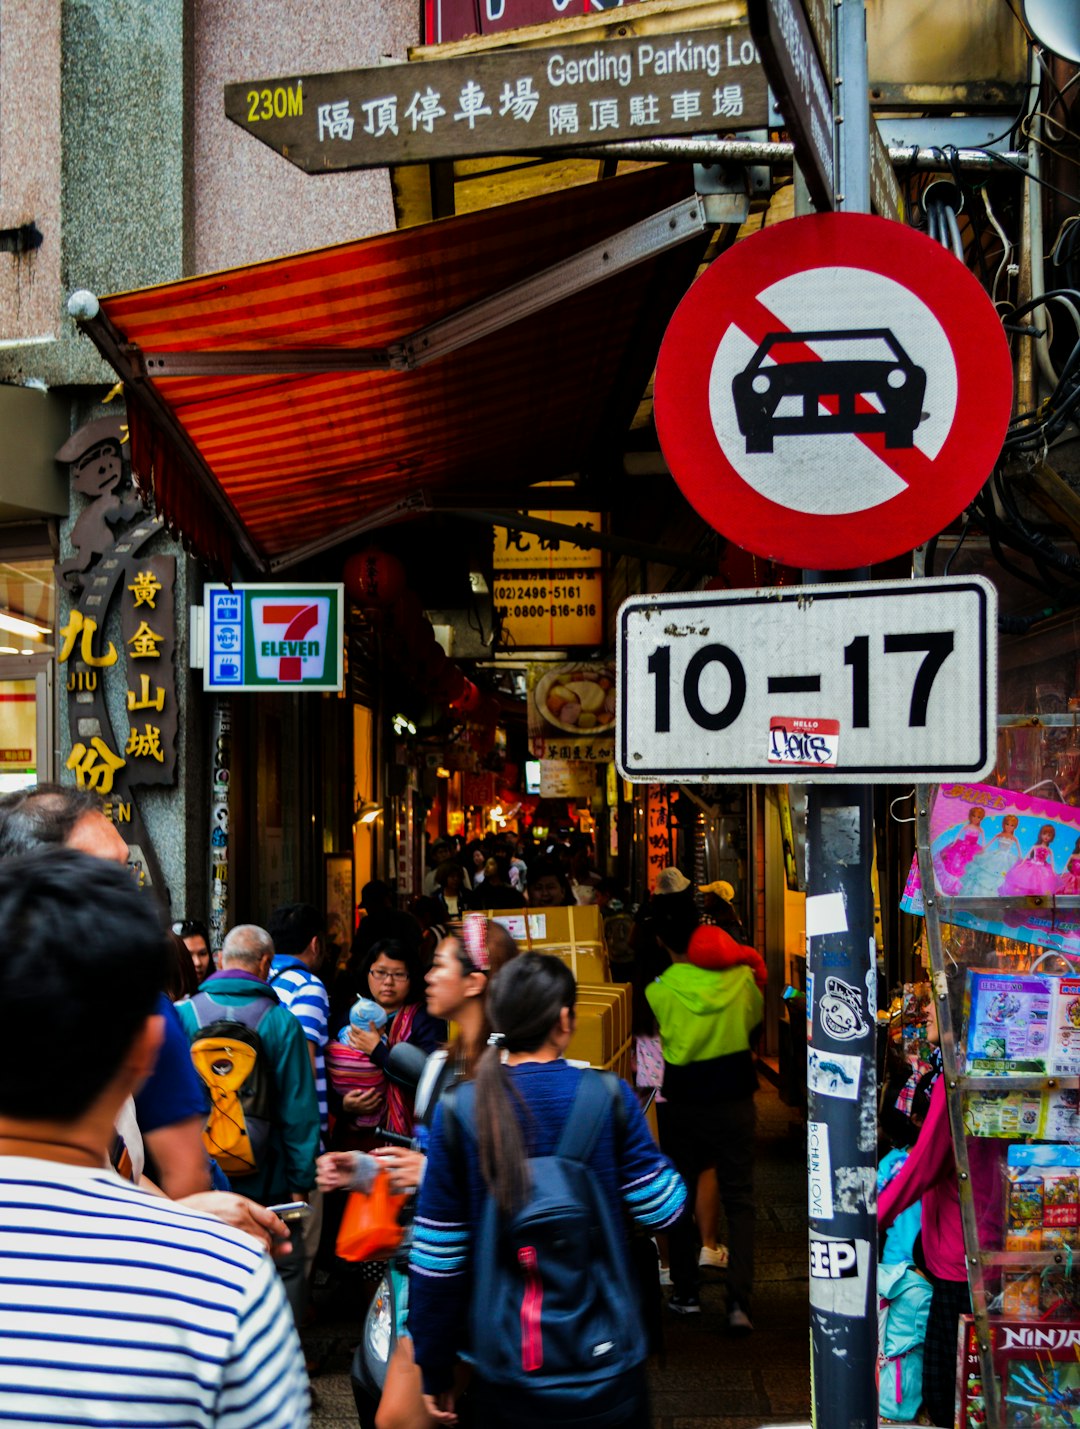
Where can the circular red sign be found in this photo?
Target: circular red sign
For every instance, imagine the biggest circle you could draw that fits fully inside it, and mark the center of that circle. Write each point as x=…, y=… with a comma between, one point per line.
x=833, y=391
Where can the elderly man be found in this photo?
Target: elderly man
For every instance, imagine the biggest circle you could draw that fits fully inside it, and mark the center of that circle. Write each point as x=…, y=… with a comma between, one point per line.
x=119, y=1306
x=284, y=1164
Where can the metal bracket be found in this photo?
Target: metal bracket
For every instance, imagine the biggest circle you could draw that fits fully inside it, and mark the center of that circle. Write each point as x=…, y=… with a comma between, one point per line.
x=641, y=241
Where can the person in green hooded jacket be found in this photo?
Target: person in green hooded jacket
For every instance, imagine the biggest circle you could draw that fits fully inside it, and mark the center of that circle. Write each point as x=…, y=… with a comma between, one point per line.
x=707, y=1018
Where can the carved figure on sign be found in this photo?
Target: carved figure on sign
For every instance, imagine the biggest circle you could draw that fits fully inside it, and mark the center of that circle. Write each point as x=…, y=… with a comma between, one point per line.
x=97, y=470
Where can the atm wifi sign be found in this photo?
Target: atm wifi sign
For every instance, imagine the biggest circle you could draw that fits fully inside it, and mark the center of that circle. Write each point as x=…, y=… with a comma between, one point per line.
x=267, y=637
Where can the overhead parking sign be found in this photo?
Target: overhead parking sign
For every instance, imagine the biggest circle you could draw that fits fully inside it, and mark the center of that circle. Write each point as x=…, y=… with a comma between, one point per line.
x=875, y=681
x=833, y=391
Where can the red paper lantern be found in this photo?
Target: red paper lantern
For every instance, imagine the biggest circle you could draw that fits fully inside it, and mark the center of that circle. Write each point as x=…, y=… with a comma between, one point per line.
x=450, y=683
x=374, y=577
x=468, y=700
x=408, y=611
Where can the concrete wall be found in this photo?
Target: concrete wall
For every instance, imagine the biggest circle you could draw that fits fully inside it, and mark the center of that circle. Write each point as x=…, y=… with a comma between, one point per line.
x=248, y=202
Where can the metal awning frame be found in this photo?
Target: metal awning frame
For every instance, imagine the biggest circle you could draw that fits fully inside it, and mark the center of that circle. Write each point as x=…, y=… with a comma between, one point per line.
x=647, y=239
x=644, y=240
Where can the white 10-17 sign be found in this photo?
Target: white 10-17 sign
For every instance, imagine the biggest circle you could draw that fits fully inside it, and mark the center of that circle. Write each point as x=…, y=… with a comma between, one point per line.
x=874, y=682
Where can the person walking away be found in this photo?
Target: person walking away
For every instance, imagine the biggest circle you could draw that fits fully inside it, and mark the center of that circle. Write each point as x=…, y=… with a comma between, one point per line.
x=298, y=934
x=277, y=1163
x=119, y=1306
x=707, y=1019
x=573, y=1351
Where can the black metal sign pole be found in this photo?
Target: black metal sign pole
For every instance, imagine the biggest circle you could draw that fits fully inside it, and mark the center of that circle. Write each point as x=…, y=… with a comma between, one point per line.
x=842, y=969
x=842, y=1108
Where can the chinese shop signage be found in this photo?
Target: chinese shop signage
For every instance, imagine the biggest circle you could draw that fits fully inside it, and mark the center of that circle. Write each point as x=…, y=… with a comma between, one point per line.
x=508, y=101
x=446, y=20
x=148, y=631
x=273, y=637
x=97, y=650
x=657, y=834
x=548, y=591
x=571, y=711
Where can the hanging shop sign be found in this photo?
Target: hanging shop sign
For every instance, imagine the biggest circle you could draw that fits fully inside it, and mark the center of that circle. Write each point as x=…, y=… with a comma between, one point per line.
x=833, y=391
x=108, y=570
x=446, y=20
x=567, y=779
x=658, y=855
x=883, y=681
x=272, y=637
x=540, y=611
x=549, y=592
x=531, y=552
x=571, y=710
x=508, y=101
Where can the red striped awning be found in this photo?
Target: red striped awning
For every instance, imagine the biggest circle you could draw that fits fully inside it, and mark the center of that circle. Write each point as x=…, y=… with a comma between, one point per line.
x=281, y=463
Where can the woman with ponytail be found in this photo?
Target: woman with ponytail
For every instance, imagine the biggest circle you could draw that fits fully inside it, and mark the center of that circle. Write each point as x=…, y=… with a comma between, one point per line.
x=522, y=1099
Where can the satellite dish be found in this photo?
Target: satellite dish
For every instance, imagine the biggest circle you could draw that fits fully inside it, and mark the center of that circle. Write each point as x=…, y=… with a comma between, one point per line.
x=1055, y=24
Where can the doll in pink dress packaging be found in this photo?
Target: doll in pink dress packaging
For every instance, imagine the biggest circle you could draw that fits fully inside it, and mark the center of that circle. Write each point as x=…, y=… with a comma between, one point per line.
x=951, y=864
x=986, y=872
x=1034, y=875
x=1070, y=879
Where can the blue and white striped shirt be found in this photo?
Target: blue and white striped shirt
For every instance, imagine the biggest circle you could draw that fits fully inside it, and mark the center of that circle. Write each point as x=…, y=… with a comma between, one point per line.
x=119, y=1307
x=305, y=996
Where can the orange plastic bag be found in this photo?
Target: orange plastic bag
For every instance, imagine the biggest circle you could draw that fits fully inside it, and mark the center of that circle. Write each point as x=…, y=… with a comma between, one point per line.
x=369, y=1228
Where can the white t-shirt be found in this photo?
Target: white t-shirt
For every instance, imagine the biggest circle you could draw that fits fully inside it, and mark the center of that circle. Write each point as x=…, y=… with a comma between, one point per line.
x=120, y=1307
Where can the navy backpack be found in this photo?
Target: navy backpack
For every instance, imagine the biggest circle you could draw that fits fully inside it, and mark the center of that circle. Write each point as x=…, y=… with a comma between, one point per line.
x=554, y=1319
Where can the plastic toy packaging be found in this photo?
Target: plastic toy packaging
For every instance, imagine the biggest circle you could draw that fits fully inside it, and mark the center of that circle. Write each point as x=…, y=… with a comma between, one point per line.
x=1037, y=1367
x=1008, y=1022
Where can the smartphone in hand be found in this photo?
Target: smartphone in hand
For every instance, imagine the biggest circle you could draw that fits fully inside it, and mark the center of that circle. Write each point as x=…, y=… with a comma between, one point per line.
x=293, y=1213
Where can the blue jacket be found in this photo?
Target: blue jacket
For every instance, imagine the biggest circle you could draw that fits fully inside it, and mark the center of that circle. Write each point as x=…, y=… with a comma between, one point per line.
x=294, y=1142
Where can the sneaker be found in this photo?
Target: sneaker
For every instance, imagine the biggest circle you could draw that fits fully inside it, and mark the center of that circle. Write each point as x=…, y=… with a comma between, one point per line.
x=684, y=1305
x=738, y=1321
x=713, y=1259
x=665, y=1277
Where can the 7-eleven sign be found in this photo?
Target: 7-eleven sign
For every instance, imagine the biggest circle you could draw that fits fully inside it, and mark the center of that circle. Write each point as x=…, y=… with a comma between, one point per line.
x=290, y=638
x=261, y=637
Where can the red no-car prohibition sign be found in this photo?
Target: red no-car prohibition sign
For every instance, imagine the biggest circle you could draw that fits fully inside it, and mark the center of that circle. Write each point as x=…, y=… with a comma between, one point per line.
x=833, y=391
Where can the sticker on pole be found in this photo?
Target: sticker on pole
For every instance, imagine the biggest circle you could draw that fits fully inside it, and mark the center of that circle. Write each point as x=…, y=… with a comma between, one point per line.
x=833, y=391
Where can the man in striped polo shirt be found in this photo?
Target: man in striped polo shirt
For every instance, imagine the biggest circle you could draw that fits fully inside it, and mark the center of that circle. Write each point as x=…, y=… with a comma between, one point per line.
x=119, y=1307
x=299, y=953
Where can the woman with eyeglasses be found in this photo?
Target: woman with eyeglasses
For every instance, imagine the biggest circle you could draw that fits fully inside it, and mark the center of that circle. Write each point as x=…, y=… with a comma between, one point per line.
x=392, y=977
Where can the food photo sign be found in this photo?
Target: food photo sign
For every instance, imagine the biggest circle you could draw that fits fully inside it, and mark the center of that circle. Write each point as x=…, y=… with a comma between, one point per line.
x=987, y=842
x=572, y=710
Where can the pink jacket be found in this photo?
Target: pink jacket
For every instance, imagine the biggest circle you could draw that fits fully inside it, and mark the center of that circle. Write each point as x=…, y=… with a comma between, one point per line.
x=930, y=1173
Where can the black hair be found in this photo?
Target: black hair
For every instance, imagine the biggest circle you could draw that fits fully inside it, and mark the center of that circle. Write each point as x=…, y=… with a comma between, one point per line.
x=192, y=928
x=376, y=895
x=551, y=868
x=83, y=958
x=181, y=979
x=672, y=918
x=524, y=1002
x=42, y=816
x=292, y=927
x=398, y=952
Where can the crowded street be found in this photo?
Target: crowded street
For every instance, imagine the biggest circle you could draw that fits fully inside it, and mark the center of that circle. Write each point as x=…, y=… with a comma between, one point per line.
x=702, y=1379
x=539, y=714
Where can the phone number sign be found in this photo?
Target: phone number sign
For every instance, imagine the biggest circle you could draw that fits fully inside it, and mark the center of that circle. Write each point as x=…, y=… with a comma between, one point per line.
x=873, y=681
x=508, y=101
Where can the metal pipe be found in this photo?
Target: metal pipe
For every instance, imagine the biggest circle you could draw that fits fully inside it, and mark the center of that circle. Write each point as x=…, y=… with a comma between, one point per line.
x=744, y=151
